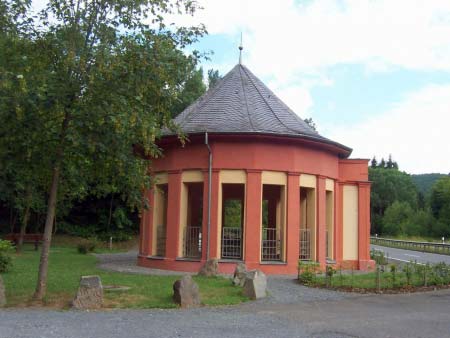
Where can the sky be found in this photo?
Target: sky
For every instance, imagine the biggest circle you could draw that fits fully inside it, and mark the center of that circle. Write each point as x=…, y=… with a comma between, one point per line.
x=373, y=74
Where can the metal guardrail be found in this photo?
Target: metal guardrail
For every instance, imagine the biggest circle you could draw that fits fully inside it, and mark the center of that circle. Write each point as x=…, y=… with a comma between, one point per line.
x=439, y=248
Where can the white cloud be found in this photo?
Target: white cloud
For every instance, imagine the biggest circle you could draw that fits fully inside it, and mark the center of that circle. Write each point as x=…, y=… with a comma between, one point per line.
x=415, y=131
x=284, y=40
x=295, y=36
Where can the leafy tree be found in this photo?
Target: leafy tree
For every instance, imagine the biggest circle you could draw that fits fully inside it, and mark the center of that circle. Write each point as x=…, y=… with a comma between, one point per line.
x=396, y=218
x=440, y=205
x=389, y=186
x=193, y=88
x=309, y=121
x=213, y=78
x=106, y=77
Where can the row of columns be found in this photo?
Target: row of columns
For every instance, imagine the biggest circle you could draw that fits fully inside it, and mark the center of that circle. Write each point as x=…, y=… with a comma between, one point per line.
x=252, y=221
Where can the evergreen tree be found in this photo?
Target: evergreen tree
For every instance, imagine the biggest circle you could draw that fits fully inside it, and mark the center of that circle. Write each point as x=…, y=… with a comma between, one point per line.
x=389, y=163
x=373, y=163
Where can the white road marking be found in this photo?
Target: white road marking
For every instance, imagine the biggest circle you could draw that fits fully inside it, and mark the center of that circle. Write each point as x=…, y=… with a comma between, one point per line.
x=404, y=260
x=412, y=255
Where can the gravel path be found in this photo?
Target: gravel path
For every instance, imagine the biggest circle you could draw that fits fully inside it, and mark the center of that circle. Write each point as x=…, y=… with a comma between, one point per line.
x=415, y=315
x=127, y=262
x=291, y=310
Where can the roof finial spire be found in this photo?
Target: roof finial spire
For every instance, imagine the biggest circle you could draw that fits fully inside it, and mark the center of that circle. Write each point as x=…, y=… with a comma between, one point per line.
x=240, y=51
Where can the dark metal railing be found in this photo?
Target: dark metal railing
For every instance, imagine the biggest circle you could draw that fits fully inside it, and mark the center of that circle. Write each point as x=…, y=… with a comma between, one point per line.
x=270, y=245
x=305, y=244
x=161, y=240
x=192, y=242
x=231, y=243
x=439, y=248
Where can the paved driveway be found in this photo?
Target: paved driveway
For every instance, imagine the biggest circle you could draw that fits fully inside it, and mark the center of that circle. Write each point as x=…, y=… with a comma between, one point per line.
x=402, y=255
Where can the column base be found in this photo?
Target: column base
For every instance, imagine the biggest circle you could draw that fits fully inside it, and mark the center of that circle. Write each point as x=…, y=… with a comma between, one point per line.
x=367, y=265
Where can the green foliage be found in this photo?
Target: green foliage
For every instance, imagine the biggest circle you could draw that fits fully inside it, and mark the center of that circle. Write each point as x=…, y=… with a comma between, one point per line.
x=6, y=248
x=397, y=218
x=193, y=88
x=83, y=93
x=232, y=213
x=86, y=247
x=389, y=185
x=307, y=272
x=440, y=206
x=378, y=256
x=309, y=121
x=213, y=78
x=424, y=182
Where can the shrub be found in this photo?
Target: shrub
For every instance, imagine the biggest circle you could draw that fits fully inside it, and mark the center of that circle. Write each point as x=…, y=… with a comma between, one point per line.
x=85, y=247
x=5, y=258
x=378, y=256
x=307, y=272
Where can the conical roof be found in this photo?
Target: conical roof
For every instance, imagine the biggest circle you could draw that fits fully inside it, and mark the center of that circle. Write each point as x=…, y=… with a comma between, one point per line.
x=240, y=103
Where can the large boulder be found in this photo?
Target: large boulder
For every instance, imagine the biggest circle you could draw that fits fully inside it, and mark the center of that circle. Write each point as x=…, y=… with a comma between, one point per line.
x=90, y=294
x=240, y=273
x=2, y=293
x=211, y=268
x=255, y=284
x=186, y=292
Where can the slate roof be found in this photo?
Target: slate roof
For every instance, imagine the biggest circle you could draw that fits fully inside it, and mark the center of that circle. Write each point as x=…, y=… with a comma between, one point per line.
x=241, y=104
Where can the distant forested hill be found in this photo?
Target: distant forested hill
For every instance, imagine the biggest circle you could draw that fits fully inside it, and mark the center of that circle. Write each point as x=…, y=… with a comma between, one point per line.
x=424, y=182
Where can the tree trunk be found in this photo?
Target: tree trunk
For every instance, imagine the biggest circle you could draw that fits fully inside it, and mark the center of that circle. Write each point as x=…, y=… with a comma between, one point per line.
x=110, y=213
x=41, y=287
x=26, y=216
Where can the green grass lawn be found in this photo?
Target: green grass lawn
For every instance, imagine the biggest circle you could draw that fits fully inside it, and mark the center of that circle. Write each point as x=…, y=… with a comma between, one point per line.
x=67, y=265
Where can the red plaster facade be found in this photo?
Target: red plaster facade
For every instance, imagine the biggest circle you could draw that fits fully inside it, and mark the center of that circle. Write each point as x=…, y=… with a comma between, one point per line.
x=255, y=156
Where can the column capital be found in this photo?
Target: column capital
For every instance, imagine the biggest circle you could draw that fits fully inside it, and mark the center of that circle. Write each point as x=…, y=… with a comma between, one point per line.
x=364, y=184
x=214, y=170
x=253, y=171
x=174, y=171
x=293, y=173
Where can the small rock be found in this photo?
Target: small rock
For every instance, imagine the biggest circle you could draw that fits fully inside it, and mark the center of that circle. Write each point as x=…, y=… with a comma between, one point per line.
x=211, y=268
x=2, y=293
x=89, y=294
x=240, y=274
x=186, y=293
x=255, y=284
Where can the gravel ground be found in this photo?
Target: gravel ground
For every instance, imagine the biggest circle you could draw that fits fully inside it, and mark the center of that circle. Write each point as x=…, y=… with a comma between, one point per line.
x=291, y=310
x=126, y=262
x=415, y=315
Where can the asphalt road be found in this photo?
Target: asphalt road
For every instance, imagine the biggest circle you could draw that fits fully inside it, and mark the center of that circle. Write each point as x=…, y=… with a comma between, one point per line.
x=402, y=255
x=372, y=316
